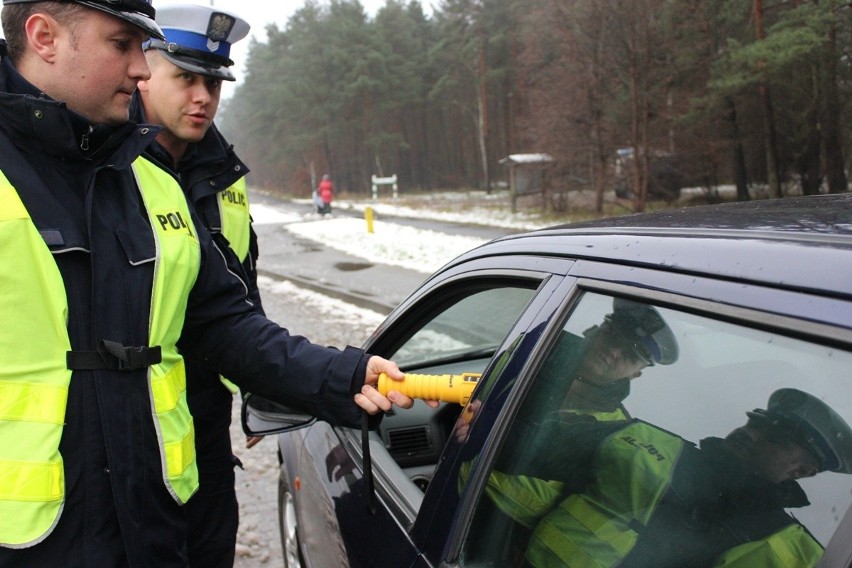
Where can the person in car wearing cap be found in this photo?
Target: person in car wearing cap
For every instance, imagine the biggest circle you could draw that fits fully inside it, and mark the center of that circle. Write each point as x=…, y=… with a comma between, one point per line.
x=106, y=271
x=601, y=364
x=599, y=367
x=182, y=95
x=630, y=493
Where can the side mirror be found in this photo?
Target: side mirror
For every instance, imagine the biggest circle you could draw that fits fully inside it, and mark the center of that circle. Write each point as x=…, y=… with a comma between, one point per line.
x=261, y=417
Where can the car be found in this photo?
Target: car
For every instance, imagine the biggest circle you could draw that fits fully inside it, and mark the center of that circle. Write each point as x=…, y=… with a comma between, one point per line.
x=659, y=389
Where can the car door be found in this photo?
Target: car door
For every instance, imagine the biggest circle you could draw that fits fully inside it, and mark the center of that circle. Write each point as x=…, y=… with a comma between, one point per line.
x=544, y=475
x=461, y=320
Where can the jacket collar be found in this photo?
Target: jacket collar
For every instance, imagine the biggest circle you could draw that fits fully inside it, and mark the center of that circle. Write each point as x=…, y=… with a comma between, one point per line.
x=748, y=488
x=32, y=119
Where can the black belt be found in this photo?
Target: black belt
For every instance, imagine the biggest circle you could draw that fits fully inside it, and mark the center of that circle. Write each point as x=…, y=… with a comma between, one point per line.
x=114, y=356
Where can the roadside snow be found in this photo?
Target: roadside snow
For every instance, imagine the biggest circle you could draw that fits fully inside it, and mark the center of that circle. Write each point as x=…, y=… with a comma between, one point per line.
x=391, y=243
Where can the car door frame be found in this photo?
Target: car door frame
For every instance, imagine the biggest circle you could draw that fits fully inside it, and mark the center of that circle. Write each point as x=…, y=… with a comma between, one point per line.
x=396, y=508
x=825, y=318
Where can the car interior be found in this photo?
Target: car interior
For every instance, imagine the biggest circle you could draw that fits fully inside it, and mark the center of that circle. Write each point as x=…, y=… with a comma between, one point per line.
x=446, y=340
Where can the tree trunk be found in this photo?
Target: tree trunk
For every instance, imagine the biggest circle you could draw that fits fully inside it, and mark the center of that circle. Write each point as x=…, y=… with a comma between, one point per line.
x=740, y=171
x=483, y=112
x=831, y=139
x=773, y=169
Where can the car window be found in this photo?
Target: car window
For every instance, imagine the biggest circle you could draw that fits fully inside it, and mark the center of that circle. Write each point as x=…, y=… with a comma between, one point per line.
x=656, y=437
x=470, y=328
x=447, y=336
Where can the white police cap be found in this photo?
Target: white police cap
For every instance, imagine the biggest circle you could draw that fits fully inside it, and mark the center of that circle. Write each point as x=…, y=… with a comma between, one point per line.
x=140, y=13
x=198, y=38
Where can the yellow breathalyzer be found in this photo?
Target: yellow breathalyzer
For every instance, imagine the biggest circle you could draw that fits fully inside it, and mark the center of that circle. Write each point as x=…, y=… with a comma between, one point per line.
x=446, y=388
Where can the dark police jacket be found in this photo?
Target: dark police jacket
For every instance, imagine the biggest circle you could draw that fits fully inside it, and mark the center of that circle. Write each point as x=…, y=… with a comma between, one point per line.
x=209, y=167
x=77, y=186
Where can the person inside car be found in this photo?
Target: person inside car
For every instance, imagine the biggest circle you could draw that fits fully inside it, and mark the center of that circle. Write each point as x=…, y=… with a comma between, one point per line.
x=631, y=493
x=602, y=363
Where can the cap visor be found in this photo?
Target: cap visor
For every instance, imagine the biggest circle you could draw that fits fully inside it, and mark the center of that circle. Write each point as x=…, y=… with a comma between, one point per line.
x=200, y=67
x=142, y=21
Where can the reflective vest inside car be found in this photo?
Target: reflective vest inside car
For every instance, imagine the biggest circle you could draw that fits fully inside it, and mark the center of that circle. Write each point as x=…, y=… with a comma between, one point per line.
x=598, y=528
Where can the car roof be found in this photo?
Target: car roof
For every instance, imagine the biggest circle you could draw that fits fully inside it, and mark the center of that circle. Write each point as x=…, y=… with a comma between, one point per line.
x=800, y=243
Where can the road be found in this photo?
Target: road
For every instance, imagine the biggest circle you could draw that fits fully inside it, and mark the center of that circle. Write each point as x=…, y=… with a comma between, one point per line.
x=308, y=264
x=304, y=263
x=258, y=543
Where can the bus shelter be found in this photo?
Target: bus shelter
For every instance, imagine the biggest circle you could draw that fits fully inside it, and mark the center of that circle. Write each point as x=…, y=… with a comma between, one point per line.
x=527, y=176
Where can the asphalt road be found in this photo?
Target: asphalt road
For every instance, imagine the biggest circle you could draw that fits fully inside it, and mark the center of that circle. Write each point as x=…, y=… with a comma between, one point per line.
x=310, y=265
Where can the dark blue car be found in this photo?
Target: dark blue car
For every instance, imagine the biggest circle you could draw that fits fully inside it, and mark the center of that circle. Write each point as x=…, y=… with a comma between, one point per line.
x=667, y=389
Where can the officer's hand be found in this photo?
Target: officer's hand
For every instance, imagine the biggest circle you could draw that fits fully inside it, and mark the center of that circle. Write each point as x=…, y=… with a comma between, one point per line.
x=371, y=400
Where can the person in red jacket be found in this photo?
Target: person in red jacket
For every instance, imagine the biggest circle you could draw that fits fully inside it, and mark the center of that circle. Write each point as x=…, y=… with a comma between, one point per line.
x=325, y=190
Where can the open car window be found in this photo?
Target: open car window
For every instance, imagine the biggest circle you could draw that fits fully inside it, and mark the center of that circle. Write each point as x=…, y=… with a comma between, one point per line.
x=458, y=332
x=468, y=329
x=656, y=437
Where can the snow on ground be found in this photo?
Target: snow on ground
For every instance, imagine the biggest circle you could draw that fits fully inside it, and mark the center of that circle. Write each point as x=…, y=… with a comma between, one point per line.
x=326, y=309
x=389, y=243
x=392, y=243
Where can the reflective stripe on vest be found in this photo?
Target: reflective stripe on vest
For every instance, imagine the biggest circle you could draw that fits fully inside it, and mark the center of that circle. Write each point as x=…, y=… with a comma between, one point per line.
x=177, y=268
x=34, y=378
x=235, y=218
x=236, y=223
x=790, y=547
x=593, y=529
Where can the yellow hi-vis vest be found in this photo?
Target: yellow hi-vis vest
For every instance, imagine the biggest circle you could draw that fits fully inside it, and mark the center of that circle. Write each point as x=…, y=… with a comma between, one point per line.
x=235, y=218
x=790, y=547
x=593, y=529
x=34, y=377
x=596, y=529
x=234, y=215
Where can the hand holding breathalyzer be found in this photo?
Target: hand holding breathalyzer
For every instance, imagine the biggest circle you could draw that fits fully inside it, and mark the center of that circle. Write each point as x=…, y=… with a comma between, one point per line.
x=446, y=388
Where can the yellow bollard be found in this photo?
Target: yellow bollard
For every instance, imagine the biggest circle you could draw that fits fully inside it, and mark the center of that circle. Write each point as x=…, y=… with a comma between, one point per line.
x=368, y=215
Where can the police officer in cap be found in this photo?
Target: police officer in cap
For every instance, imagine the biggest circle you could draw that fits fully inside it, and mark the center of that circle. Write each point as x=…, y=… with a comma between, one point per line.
x=813, y=437
x=108, y=280
x=601, y=365
x=187, y=70
x=665, y=502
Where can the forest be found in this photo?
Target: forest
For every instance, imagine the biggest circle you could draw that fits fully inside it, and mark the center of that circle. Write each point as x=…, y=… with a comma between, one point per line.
x=639, y=96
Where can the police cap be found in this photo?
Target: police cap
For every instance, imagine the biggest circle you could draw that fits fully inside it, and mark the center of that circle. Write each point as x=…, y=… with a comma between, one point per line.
x=198, y=38
x=813, y=423
x=140, y=13
x=645, y=325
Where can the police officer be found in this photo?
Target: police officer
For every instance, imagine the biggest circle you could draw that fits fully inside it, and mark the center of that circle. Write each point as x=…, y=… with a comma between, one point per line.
x=108, y=279
x=642, y=496
x=182, y=95
x=601, y=364
x=599, y=367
